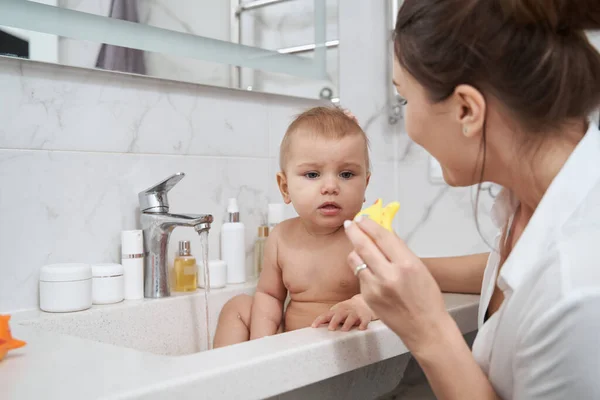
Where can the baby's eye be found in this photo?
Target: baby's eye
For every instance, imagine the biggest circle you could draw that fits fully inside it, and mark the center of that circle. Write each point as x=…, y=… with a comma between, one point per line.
x=312, y=175
x=347, y=175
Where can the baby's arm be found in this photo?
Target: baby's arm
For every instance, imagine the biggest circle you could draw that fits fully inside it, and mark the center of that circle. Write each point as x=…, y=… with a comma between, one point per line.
x=267, y=307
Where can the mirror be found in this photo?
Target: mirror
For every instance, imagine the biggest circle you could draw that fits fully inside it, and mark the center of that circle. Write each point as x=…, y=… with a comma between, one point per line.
x=287, y=47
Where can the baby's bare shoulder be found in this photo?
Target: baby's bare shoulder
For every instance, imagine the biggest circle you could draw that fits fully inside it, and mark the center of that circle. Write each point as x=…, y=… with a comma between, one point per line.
x=286, y=230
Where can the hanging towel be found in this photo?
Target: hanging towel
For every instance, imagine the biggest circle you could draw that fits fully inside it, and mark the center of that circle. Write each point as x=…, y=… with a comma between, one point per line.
x=124, y=59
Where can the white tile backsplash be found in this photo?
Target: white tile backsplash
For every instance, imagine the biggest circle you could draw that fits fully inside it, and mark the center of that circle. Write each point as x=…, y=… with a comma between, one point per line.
x=60, y=206
x=76, y=147
x=75, y=109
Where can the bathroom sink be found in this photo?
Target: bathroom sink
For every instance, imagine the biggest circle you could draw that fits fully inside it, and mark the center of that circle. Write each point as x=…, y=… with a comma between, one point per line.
x=141, y=347
x=172, y=326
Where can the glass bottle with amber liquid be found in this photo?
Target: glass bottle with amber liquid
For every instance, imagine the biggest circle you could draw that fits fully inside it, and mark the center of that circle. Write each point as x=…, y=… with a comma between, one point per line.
x=259, y=249
x=185, y=269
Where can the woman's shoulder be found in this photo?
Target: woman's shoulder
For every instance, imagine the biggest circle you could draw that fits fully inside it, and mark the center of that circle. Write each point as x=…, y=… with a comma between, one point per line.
x=577, y=248
x=579, y=257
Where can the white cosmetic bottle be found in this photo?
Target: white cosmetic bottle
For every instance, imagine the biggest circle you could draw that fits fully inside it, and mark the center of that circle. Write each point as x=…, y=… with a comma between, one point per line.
x=132, y=250
x=233, y=248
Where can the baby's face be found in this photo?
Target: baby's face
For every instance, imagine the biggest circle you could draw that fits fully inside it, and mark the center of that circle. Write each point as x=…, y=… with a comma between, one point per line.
x=326, y=178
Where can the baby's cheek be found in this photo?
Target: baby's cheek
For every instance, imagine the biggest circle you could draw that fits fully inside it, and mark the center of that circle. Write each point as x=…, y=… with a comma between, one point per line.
x=356, y=193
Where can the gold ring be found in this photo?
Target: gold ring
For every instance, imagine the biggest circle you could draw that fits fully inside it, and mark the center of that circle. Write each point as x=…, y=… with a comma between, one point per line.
x=359, y=268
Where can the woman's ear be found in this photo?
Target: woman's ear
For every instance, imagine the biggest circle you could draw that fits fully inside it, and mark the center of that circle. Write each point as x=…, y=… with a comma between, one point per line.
x=471, y=109
x=283, y=187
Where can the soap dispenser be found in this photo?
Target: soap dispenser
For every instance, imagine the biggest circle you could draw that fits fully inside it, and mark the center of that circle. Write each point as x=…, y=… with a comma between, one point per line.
x=233, y=249
x=185, y=269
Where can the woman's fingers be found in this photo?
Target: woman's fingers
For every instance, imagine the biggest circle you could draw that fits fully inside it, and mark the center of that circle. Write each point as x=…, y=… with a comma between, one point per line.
x=354, y=260
x=392, y=247
x=323, y=319
x=366, y=249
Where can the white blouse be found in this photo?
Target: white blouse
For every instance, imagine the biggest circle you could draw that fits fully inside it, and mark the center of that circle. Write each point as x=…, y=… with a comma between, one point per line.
x=544, y=340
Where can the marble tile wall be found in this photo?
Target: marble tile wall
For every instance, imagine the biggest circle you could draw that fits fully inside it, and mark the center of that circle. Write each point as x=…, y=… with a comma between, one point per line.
x=76, y=146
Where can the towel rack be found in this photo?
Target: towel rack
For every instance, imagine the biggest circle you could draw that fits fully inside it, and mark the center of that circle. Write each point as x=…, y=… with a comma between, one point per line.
x=237, y=9
x=307, y=48
x=253, y=5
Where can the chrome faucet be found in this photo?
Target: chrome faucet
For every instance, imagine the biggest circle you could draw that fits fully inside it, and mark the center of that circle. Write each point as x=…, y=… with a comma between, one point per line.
x=157, y=225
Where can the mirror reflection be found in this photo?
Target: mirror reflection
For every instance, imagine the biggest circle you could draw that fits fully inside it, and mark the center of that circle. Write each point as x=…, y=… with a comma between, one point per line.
x=286, y=47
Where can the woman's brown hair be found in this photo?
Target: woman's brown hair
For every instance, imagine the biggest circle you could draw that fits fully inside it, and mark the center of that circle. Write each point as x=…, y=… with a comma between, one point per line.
x=532, y=55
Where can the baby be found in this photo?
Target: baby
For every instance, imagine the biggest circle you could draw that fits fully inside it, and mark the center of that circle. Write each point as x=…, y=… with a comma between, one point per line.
x=324, y=162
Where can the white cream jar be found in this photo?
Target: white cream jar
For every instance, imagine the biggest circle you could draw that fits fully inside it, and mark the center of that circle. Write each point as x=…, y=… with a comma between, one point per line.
x=107, y=283
x=65, y=287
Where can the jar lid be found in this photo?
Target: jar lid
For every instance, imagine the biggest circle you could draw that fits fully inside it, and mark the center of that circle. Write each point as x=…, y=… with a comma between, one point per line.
x=106, y=270
x=65, y=272
x=217, y=264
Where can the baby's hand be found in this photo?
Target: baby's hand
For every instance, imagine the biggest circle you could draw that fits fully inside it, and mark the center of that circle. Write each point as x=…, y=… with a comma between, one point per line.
x=351, y=313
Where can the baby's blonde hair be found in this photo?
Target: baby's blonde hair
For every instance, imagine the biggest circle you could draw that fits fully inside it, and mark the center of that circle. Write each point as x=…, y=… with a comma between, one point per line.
x=326, y=122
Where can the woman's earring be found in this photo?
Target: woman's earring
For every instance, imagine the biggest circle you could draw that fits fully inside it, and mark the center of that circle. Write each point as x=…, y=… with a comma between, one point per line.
x=465, y=130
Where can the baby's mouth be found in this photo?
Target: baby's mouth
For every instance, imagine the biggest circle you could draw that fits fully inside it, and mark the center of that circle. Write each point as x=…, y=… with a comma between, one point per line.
x=330, y=208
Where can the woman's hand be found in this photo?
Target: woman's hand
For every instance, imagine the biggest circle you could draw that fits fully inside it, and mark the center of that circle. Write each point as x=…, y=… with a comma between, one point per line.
x=396, y=285
x=350, y=313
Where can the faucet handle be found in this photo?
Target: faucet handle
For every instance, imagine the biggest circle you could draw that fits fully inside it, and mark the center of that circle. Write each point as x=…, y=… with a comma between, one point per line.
x=154, y=199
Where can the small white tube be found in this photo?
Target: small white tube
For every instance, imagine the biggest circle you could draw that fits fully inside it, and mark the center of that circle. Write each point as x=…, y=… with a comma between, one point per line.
x=132, y=250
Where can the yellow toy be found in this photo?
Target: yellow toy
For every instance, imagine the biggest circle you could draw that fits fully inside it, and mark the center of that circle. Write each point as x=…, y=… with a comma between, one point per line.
x=382, y=215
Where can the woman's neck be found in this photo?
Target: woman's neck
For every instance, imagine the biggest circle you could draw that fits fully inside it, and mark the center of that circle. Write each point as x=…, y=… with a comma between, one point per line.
x=528, y=175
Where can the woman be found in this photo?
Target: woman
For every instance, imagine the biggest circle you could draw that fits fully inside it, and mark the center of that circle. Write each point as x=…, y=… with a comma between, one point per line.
x=500, y=91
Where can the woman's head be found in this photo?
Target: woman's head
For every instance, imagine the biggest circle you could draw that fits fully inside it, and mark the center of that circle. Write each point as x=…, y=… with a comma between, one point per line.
x=493, y=75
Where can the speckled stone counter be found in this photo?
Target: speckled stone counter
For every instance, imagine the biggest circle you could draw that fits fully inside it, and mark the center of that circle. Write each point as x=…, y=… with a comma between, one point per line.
x=57, y=365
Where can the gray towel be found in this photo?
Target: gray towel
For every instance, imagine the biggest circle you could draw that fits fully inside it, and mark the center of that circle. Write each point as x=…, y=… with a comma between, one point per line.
x=124, y=59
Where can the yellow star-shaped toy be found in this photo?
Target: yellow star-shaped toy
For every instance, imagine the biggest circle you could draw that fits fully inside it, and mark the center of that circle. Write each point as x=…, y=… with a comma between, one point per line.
x=382, y=215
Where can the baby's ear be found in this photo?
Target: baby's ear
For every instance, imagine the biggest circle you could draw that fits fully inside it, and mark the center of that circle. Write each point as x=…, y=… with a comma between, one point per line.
x=283, y=187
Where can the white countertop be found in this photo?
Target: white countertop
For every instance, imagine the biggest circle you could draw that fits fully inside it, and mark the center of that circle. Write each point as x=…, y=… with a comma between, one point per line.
x=56, y=366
